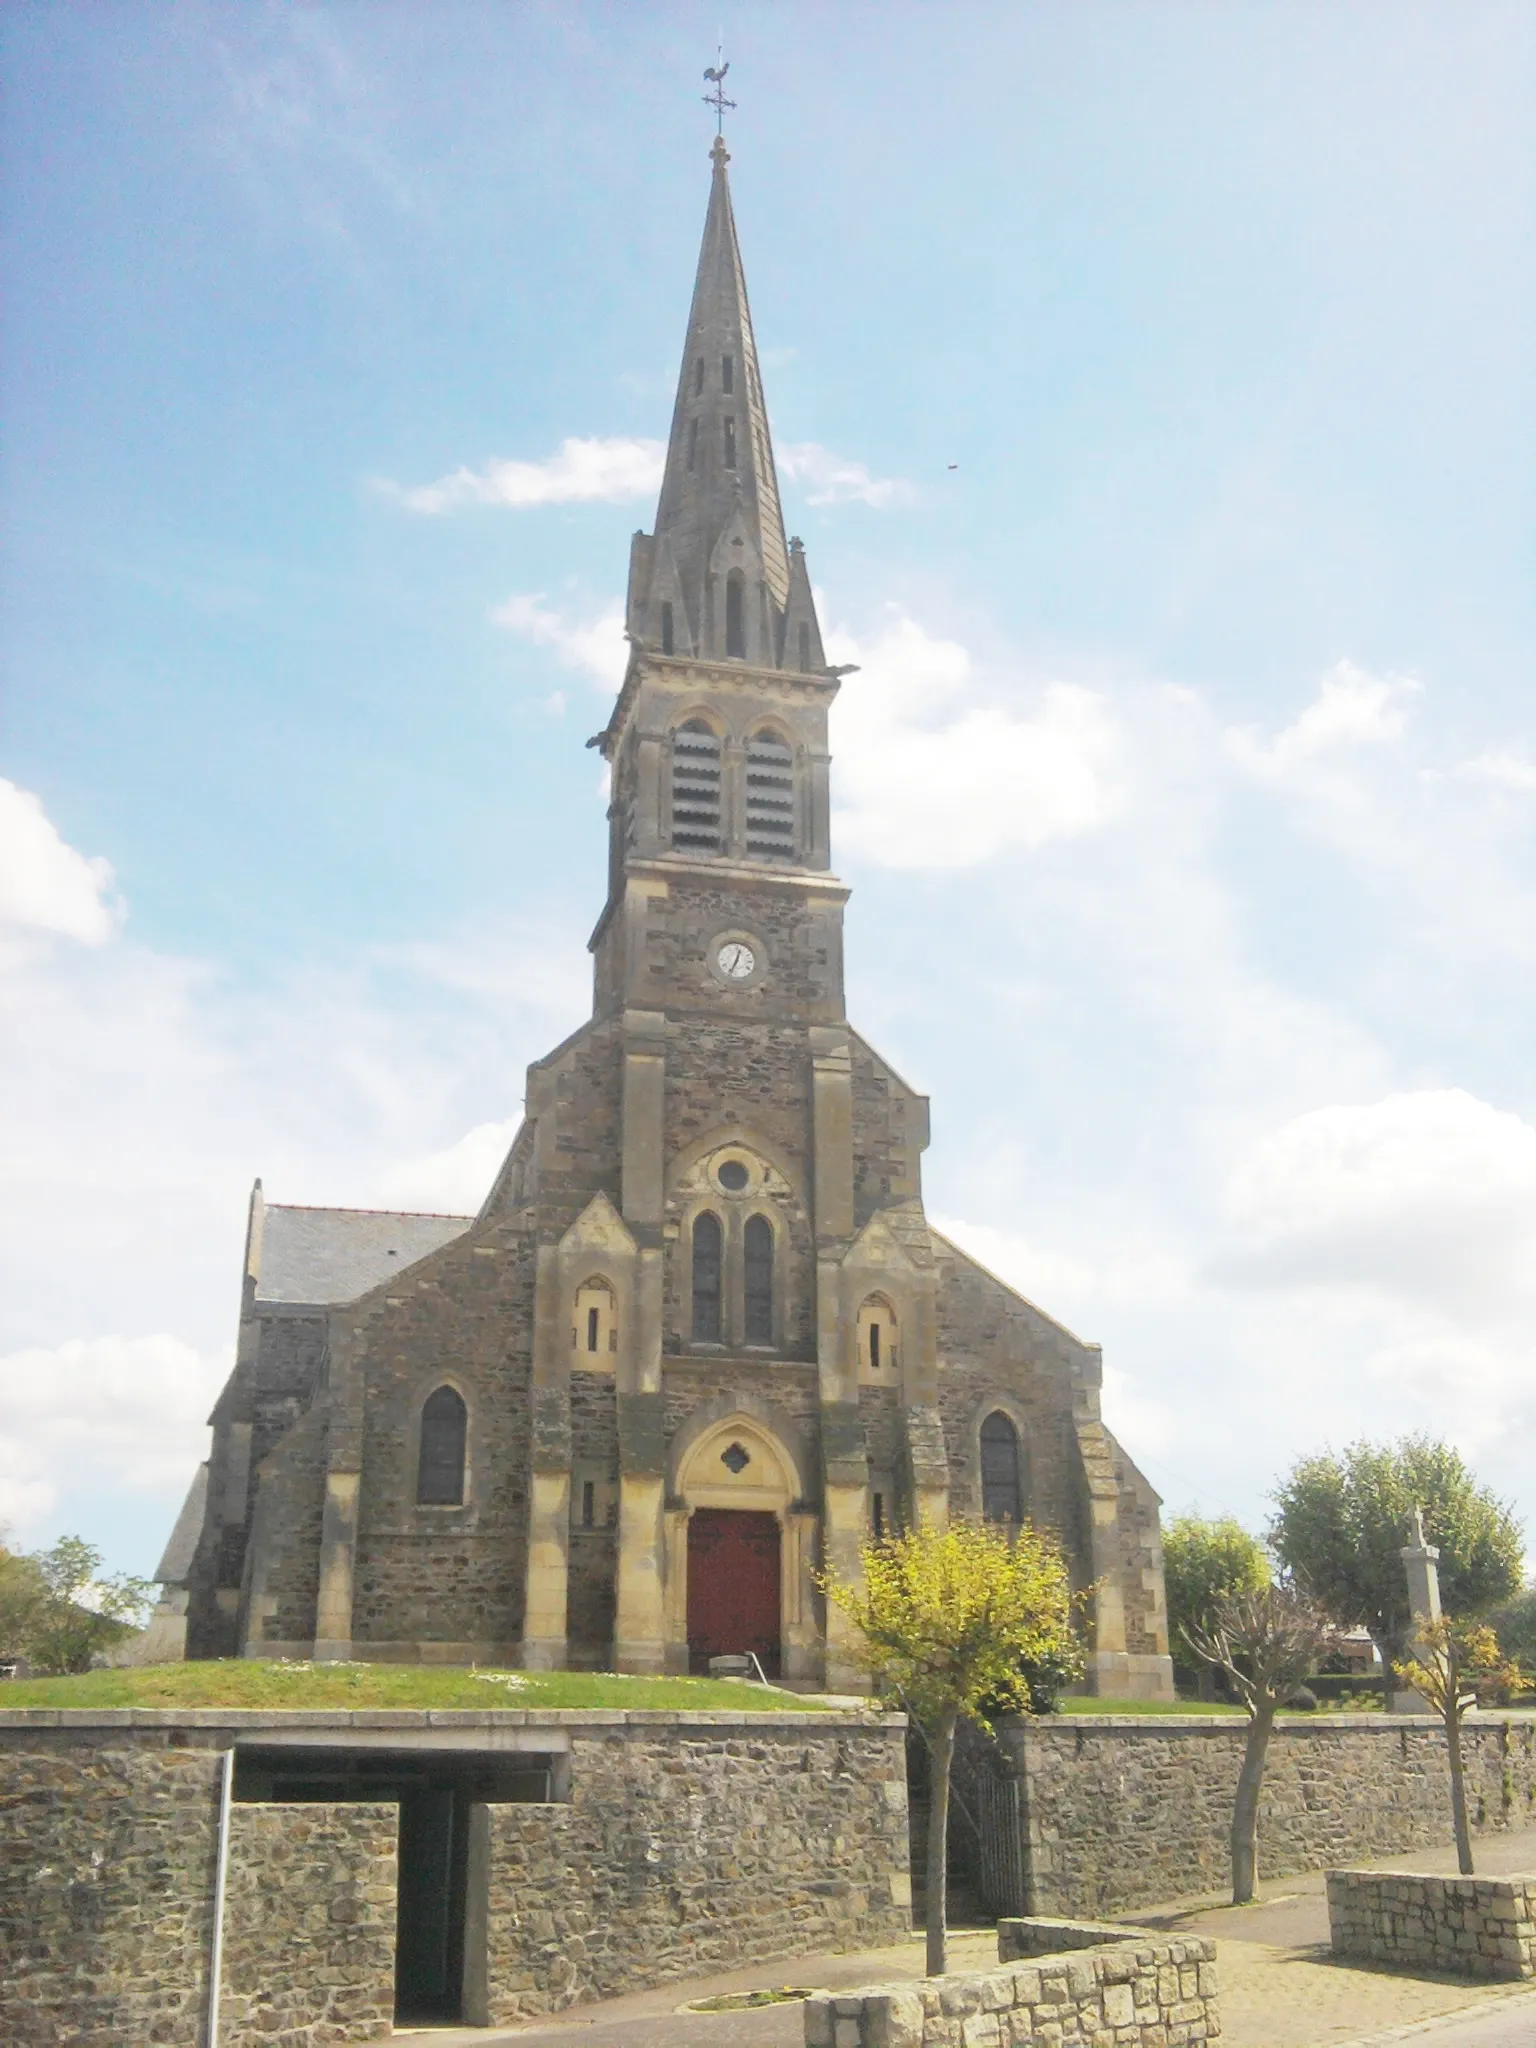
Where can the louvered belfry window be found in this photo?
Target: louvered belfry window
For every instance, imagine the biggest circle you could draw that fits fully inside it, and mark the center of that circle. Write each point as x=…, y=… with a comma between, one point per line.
x=770, y=798
x=695, y=788
x=440, y=1465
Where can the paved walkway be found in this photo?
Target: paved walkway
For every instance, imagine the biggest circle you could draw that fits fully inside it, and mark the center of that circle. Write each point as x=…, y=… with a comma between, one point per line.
x=1280, y=1987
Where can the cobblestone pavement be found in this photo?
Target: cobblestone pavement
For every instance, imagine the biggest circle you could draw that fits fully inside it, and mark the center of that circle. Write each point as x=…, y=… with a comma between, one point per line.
x=1280, y=1988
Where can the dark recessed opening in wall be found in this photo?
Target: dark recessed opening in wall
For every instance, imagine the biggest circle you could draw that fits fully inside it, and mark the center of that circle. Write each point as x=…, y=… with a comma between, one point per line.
x=435, y=1792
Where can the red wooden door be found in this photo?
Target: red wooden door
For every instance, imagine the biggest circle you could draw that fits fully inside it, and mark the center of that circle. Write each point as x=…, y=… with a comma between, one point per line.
x=733, y=1587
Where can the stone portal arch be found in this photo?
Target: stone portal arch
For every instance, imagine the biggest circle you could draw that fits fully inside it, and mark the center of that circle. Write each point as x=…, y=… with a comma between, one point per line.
x=738, y=1534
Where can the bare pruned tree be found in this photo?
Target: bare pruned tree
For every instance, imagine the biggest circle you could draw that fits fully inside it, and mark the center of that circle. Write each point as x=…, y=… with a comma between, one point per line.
x=1266, y=1642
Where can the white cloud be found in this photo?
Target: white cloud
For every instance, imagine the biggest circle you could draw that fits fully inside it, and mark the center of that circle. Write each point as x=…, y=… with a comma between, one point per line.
x=117, y=1411
x=929, y=777
x=45, y=885
x=837, y=479
x=1505, y=768
x=453, y=1181
x=1428, y=1195
x=1352, y=708
x=584, y=470
x=596, y=645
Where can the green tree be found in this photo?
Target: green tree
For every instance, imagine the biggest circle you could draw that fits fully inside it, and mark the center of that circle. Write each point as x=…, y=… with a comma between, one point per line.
x=1205, y=1561
x=950, y=1619
x=23, y=1591
x=1514, y=1623
x=1266, y=1642
x=1341, y=1522
x=79, y=1613
x=1458, y=1665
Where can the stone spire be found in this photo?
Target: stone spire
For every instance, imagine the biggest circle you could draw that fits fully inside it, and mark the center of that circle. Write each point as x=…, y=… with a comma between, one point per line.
x=715, y=580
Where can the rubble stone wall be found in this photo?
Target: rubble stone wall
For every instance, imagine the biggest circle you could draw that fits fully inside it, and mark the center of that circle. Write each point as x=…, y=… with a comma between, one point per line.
x=1134, y=1993
x=1469, y=1926
x=686, y=1851
x=309, y=1925
x=1118, y=1812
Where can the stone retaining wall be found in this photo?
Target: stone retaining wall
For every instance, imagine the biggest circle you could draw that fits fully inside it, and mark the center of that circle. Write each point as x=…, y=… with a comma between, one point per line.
x=687, y=1841
x=682, y=1854
x=107, y=1856
x=1096, y=1815
x=1137, y=1992
x=1467, y=1926
x=309, y=1925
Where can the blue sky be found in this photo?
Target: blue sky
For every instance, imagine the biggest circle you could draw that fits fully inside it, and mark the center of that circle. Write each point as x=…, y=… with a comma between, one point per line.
x=1186, y=787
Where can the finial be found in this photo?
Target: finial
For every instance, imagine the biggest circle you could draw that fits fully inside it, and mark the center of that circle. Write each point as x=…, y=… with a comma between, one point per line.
x=718, y=100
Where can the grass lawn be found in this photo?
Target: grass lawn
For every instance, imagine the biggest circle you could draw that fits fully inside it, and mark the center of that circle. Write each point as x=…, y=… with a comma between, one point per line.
x=252, y=1682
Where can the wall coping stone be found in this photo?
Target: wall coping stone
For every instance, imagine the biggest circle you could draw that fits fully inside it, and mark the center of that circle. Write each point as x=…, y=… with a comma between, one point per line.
x=244, y=1719
x=1285, y=1724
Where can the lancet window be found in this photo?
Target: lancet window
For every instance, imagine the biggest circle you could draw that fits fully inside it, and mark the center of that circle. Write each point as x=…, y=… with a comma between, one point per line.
x=696, y=788
x=736, y=616
x=440, y=1461
x=708, y=1262
x=757, y=1280
x=999, y=1469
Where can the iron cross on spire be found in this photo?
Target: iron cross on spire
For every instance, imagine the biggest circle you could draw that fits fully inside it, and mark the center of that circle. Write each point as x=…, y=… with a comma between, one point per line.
x=717, y=98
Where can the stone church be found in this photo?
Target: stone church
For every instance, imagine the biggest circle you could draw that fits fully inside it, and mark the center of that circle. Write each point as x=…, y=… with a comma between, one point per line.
x=700, y=1340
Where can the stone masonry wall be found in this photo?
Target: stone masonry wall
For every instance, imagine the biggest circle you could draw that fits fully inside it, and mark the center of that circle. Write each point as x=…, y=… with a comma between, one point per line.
x=1469, y=1926
x=450, y=1575
x=692, y=1849
x=1135, y=1993
x=687, y=1842
x=1117, y=1812
x=309, y=1927
x=107, y=1855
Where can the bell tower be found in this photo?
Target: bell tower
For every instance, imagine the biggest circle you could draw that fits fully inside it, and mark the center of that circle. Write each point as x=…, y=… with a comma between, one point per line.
x=718, y=742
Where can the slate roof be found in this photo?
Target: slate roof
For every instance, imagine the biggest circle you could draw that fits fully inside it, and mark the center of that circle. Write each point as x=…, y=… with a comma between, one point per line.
x=177, y=1562
x=316, y=1256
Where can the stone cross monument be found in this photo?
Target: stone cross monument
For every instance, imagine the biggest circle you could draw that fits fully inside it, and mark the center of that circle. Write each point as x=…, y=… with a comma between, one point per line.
x=1420, y=1562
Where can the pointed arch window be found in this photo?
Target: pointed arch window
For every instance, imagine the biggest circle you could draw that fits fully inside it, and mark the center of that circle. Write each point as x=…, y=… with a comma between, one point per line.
x=730, y=443
x=736, y=615
x=770, y=798
x=668, y=634
x=708, y=1250
x=999, y=1470
x=696, y=788
x=440, y=1461
x=757, y=1280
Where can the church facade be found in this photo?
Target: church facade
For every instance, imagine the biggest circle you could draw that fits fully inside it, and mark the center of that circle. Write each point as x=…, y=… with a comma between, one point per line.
x=700, y=1342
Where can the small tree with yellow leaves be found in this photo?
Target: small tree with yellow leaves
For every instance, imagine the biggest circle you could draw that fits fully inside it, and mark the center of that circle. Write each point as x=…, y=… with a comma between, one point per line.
x=1459, y=1666
x=948, y=1618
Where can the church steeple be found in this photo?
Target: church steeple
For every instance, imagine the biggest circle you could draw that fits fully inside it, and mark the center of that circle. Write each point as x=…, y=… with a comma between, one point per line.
x=716, y=580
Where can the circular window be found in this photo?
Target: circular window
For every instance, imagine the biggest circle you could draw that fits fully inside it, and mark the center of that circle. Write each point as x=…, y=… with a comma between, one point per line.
x=732, y=1176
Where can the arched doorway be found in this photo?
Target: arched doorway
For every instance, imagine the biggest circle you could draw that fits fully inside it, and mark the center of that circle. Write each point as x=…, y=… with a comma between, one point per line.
x=734, y=1594
x=739, y=1485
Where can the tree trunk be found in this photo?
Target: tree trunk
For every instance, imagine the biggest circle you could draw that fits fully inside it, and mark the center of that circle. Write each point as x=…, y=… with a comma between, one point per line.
x=941, y=1755
x=1245, y=1808
x=1458, y=1786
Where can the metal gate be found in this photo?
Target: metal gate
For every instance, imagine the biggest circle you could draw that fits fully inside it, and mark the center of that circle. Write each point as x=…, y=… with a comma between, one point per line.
x=1000, y=1828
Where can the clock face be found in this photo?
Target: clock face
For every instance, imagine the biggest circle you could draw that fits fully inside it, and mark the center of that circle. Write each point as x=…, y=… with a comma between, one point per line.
x=736, y=960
